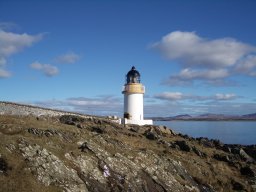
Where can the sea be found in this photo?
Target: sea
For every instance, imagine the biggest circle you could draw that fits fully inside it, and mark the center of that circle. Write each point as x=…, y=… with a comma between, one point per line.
x=228, y=132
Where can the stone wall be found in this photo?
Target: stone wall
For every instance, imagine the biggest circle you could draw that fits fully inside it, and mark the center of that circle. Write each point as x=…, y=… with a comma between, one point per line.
x=8, y=108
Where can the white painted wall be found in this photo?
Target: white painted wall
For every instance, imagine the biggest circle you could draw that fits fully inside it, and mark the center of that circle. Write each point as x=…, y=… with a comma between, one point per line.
x=133, y=104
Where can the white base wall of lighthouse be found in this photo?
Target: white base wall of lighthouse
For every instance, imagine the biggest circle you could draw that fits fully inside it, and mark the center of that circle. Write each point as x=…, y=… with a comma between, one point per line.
x=137, y=122
x=133, y=105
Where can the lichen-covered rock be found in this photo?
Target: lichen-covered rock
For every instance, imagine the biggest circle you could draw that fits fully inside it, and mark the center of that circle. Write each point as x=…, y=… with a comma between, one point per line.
x=144, y=170
x=49, y=169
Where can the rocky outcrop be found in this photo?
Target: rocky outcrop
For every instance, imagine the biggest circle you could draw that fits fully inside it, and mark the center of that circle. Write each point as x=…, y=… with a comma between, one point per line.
x=140, y=172
x=72, y=153
x=49, y=169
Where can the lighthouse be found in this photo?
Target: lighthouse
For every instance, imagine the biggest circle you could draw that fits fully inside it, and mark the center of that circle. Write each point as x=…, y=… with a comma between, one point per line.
x=133, y=92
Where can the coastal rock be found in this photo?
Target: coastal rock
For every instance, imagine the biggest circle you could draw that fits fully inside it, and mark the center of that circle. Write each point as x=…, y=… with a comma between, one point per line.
x=70, y=119
x=151, y=130
x=248, y=171
x=222, y=157
x=52, y=155
x=40, y=133
x=98, y=130
x=49, y=169
x=164, y=131
x=151, y=135
x=198, y=152
x=134, y=173
x=226, y=148
x=183, y=145
x=238, y=150
x=245, y=156
x=137, y=129
x=251, y=151
x=206, y=142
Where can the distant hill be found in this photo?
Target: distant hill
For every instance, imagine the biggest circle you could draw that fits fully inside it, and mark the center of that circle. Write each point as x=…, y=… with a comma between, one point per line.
x=208, y=117
x=253, y=116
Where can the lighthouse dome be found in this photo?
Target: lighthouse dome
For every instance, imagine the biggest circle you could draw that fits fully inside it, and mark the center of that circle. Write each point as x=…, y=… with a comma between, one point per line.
x=133, y=76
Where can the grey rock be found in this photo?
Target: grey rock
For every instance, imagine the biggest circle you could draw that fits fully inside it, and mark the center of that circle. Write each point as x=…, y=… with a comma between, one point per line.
x=151, y=135
x=198, y=152
x=143, y=171
x=98, y=129
x=245, y=156
x=222, y=157
x=248, y=171
x=206, y=142
x=49, y=169
x=184, y=146
x=251, y=151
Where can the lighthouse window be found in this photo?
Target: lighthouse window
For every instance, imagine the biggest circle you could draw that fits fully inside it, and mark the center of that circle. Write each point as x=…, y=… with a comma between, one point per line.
x=133, y=76
x=133, y=79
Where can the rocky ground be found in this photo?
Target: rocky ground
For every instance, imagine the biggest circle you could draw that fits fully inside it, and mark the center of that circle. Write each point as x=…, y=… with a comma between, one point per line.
x=69, y=152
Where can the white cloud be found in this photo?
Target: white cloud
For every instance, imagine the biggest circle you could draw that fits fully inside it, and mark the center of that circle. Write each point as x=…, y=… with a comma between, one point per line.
x=210, y=61
x=170, y=96
x=68, y=58
x=11, y=43
x=173, y=96
x=47, y=69
x=4, y=73
x=193, y=50
x=188, y=73
x=214, y=107
x=247, y=65
x=111, y=105
x=101, y=105
x=229, y=96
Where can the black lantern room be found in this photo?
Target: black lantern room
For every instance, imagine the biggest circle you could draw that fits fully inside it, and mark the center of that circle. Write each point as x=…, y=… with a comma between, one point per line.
x=133, y=76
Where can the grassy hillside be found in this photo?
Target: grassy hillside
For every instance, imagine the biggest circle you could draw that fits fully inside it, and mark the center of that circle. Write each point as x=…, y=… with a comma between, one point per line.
x=71, y=153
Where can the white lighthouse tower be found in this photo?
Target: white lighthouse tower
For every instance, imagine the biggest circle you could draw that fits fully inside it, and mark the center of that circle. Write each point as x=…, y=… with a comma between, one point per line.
x=133, y=99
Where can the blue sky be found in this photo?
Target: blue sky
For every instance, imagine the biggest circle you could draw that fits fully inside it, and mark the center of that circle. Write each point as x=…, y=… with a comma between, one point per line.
x=194, y=57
